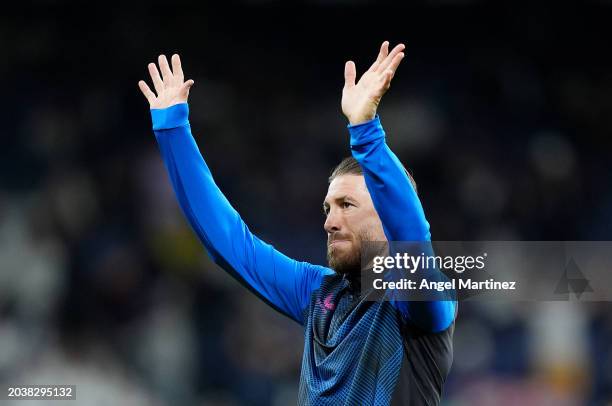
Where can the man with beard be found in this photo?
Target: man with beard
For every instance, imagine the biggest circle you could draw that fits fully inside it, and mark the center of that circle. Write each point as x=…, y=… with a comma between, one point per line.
x=356, y=351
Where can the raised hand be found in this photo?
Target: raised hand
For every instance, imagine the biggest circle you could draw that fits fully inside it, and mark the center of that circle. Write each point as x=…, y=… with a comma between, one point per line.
x=171, y=88
x=360, y=100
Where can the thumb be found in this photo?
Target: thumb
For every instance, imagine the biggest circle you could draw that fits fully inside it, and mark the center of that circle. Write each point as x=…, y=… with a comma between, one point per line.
x=186, y=86
x=349, y=74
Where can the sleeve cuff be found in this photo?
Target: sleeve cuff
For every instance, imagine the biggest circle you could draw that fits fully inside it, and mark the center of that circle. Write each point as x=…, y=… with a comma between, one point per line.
x=364, y=133
x=171, y=117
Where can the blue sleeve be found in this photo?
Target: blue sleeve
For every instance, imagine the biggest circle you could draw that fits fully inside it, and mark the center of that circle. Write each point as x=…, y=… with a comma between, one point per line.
x=280, y=281
x=400, y=212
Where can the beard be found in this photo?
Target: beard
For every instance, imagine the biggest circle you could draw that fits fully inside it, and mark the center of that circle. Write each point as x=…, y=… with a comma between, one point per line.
x=346, y=262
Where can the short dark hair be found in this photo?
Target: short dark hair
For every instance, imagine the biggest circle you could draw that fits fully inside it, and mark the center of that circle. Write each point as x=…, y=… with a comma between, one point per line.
x=350, y=166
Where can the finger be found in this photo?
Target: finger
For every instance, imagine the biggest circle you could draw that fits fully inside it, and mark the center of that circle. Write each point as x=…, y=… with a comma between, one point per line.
x=144, y=88
x=177, y=69
x=350, y=72
x=157, y=82
x=387, y=61
x=186, y=87
x=165, y=70
x=395, y=63
x=390, y=72
x=387, y=77
x=384, y=51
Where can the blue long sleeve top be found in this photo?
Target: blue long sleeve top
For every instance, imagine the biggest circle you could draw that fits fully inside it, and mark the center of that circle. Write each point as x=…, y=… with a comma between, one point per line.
x=340, y=329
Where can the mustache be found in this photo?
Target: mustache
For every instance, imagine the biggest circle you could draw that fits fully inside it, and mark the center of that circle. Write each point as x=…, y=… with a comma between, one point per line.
x=337, y=237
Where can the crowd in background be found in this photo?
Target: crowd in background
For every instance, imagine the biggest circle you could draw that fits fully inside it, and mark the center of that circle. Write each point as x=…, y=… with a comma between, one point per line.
x=503, y=116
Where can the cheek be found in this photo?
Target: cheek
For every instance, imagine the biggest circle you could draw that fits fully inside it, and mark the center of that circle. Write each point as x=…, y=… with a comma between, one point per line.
x=375, y=230
x=371, y=224
x=380, y=232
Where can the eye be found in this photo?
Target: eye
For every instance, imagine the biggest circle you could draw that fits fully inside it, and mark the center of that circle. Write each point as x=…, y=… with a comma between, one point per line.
x=346, y=205
x=325, y=210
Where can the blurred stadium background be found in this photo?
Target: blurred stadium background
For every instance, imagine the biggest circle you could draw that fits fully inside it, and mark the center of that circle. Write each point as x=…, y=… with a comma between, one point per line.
x=503, y=114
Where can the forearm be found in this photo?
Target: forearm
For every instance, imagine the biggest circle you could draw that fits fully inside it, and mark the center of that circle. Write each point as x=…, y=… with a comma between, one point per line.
x=402, y=217
x=394, y=198
x=206, y=208
x=282, y=282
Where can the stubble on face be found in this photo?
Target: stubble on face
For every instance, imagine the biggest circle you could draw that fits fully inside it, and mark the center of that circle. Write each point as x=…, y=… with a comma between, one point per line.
x=346, y=260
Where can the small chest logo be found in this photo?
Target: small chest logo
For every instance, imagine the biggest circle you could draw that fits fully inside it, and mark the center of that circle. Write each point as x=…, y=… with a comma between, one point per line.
x=327, y=304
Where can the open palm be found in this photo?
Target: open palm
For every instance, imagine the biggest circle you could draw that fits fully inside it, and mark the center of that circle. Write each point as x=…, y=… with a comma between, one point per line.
x=171, y=88
x=360, y=100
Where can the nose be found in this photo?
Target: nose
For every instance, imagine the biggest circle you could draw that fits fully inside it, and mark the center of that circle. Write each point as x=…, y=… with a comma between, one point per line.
x=332, y=222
